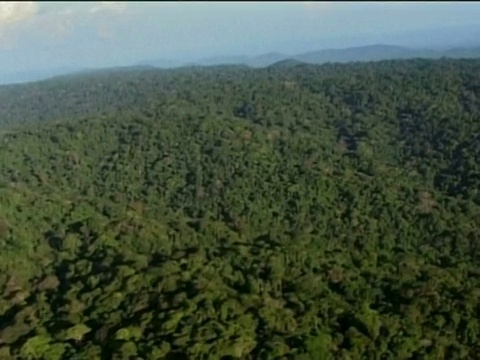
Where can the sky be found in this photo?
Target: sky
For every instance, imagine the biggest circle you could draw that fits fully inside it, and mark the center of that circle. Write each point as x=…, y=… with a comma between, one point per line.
x=48, y=35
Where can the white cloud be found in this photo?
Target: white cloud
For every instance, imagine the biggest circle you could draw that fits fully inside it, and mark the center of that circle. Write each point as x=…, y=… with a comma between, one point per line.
x=56, y=22
x=58, y=28
x=315, y=4
x=115, y=6
x=16, y=11
x=105, y=18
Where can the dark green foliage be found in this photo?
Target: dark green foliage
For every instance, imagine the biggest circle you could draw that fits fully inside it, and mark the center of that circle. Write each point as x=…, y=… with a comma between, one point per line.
x=307, y=212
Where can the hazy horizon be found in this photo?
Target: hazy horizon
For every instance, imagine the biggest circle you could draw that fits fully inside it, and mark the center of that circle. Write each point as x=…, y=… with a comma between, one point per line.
x=38, y=36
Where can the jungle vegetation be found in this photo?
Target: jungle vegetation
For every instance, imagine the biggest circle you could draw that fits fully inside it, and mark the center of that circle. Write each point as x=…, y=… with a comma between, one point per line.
x=291, y=212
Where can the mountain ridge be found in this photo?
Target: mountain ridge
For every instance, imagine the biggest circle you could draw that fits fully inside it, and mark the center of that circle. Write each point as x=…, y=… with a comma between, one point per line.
x=373, y=52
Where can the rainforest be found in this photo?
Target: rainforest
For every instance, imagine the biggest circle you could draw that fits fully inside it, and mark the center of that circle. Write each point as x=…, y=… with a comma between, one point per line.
x=288, y=212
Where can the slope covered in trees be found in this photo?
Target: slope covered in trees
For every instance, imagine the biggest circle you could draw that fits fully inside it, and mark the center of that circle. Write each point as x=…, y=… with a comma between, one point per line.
x=305, y=212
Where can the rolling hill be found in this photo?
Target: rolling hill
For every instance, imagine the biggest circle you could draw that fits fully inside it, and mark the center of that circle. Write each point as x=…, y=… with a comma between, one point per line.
x=224, y=212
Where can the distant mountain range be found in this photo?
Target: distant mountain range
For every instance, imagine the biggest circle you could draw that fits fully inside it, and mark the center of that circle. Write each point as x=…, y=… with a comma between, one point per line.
x=362, y=53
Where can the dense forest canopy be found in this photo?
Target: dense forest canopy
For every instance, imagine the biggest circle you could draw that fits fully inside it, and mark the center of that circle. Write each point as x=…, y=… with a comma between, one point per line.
x=291, y=212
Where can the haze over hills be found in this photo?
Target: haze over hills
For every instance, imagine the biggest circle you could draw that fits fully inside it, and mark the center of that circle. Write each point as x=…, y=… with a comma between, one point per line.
x=169, y=36
x=29, y=76
x=376, y=52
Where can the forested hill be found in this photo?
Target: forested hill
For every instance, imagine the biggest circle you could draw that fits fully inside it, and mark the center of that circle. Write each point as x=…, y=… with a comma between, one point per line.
x=123, y=89
x=109, y=90
x=291, y=212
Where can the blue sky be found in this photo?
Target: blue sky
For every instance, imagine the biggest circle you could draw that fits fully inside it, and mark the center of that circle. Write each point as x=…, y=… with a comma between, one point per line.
x=45, y=35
